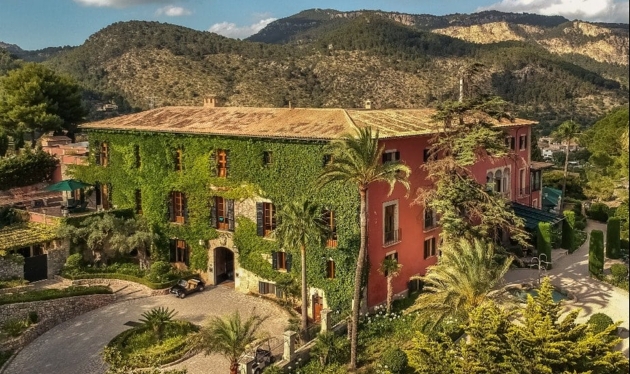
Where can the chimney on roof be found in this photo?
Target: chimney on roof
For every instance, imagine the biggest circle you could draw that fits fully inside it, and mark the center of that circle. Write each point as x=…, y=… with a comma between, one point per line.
x=368, y=104
x=211, y=101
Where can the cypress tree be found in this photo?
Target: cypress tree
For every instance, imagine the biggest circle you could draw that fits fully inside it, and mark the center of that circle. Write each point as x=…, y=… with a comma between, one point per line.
x=613, y=238
x=568, y=227
x=596, y=253
x=543, y=240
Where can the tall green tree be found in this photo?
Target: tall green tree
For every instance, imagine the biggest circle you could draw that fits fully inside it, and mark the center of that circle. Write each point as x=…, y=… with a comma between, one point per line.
x=465, y=134
x=134, y=234
x=34, y=98
x=462, y=279
x=356, y=159
x=390, y=268
x=566, y=133
x=229, y=336
x=300, y=225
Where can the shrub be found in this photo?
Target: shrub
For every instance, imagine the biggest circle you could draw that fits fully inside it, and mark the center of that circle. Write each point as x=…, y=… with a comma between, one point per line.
x=330, y=348
x=26, y=168
x=598, y=212
x=14, y=327
x=33, y=317
x=596, y=254
x=568, y=227
x=157, y=319
x=53, y=293
x=73, y=262
x=599, y=322
x=543, y=239
x=613, y=238
x=395, y=360
x=130, y=269
x=10, y=283
x=159, y=270
x=577, y=208
x=580, y=223
x=619, y=272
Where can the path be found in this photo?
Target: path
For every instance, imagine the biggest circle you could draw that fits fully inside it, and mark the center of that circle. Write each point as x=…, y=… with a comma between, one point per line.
x=75, y=346
x=593, y=296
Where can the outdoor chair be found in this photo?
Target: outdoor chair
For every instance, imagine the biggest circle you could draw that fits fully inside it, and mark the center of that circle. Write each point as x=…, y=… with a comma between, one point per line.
x=78, y=208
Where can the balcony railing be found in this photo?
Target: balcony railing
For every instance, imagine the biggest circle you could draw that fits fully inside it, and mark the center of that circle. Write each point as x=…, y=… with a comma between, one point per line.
x=392, y=237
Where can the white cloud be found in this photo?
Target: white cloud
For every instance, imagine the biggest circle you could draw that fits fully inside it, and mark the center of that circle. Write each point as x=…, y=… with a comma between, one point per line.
x=231, y=30
x=173, y=11
x=587, y=10
x=118, y=3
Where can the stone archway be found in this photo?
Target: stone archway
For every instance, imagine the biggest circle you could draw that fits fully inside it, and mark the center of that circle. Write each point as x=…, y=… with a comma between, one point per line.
x=223, y=265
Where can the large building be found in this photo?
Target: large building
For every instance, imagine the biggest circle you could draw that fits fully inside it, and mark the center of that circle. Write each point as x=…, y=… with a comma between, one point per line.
x=211, y=178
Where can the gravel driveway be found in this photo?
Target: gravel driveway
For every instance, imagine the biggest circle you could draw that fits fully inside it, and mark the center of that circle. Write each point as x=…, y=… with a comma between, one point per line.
x=75, y=346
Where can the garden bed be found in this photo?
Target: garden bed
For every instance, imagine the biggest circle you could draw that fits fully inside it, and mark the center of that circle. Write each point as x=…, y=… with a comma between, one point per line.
x=139, y=348
x=49, y=294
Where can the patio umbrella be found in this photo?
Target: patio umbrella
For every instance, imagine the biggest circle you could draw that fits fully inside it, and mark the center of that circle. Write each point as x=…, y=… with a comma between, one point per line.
x=67, y=185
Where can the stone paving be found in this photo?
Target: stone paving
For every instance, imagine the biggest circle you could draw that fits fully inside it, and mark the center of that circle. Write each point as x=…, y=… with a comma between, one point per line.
x=75, y=346
x=570, y=272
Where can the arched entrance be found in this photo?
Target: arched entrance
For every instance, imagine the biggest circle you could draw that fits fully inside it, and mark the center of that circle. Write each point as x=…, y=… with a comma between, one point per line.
x=223, y=265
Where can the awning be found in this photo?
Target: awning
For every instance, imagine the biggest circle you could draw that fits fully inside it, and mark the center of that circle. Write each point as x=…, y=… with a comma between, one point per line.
x=551, y=197
x=533, y=216
x=538, y=165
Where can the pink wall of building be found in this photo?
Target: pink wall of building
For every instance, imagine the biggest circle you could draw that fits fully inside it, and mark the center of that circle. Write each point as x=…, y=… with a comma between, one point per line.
x=410, y=246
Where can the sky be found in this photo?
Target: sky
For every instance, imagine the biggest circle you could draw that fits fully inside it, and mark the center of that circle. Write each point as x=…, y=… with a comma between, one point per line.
x=36, y=24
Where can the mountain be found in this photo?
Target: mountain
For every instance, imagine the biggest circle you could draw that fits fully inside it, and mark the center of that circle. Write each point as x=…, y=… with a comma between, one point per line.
x=325, y=58
x=11, y=48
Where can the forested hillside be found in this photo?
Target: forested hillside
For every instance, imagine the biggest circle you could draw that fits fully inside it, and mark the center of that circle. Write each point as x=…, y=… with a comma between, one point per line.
x=384, y=57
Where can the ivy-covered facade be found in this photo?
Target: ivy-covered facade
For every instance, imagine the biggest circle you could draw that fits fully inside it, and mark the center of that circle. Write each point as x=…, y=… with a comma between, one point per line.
x=206, y=195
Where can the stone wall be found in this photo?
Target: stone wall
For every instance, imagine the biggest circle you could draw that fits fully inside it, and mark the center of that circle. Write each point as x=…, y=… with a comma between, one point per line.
x=58, y=251
x=10, y=270
x=50, y=313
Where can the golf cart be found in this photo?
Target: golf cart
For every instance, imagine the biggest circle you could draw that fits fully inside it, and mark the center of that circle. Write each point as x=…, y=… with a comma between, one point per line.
x=255, y=361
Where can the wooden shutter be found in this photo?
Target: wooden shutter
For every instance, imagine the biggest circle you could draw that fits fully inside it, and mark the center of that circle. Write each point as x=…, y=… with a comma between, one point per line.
x=397, y=156
x=288, y=261
x=230, y=214
x=384, y=157
x=227, y=163
x=260, y=218
x=186, y=254
x=173, y=250
x=274, y=260
x=279, y=292
x=213, y=213
x=97, y=190
x=97, y=154
x=185, y=207
x=261, y=288
x=171, y=211
x=426, y=249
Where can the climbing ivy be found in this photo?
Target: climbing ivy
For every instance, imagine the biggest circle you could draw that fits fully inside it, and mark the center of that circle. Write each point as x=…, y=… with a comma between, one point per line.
x=292, y=174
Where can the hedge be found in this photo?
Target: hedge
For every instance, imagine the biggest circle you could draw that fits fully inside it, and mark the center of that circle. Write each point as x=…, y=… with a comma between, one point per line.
x=49, y=294
x=125, y=277
x=596, y=253
x=598, y=212
x=600, y=322
x=568, y=231
x=543, y=240
x=613, y=238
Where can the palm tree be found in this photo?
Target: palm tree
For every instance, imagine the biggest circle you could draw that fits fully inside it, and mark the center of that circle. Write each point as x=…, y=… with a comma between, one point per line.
x=462, y=279
x=390, y=268
x=566, y=132
x=357, y=160
x=228, y=336
x=301, y=224
x=157, y=319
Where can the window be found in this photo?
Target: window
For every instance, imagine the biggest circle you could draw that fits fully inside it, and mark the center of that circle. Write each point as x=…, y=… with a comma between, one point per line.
x=222, y=163
x=281, y=261
x=505, y=185
x=521, y=178
x=330, y=269
x=430, y=218
x=178, y=160
x=535, y=180
x=222, y=214
x=489, y=181
x=179, y=252
x=265, y=218
x=266, y=288
x=391, y=156
x=104, y=154
x=430, y=248
x=177, y=207
x=426, y=154
x=522, y=142
x=267, y=157
x=103, y=195
x=136, y=155
x=498, y=179
x=331, y=224
x=138, y=202
x=391, y=232
x=510, y=142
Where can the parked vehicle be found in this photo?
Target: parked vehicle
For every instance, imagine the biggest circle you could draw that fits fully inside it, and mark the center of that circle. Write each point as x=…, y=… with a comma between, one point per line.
x=262, y=358
x=185, y=287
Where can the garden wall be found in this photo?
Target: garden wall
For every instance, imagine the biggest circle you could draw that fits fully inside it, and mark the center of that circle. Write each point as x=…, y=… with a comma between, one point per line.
x=50, y=313
x=119, y=283
x=9, y=269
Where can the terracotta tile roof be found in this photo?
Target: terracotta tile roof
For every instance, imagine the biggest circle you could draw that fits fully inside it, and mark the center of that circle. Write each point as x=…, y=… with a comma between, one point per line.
x=296, y=123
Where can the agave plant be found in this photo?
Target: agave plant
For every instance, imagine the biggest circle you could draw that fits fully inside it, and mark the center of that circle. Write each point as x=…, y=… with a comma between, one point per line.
x=157, y=319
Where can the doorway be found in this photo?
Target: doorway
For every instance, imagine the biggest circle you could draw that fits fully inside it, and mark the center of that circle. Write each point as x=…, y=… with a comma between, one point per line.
x=223, y=265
